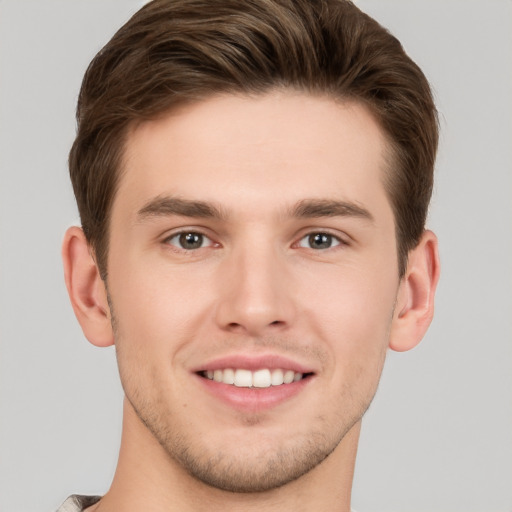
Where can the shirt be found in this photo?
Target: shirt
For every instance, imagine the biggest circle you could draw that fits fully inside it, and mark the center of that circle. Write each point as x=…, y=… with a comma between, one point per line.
x=78, y=503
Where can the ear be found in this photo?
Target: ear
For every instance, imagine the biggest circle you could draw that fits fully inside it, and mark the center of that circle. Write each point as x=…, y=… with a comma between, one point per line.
x=415, y=301
x=86, y=289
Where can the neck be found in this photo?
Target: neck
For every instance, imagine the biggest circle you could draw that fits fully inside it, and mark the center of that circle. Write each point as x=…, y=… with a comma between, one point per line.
x=147, y=478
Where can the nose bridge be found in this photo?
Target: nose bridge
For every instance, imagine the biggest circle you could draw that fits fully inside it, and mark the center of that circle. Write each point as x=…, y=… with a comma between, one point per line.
x=256, y=291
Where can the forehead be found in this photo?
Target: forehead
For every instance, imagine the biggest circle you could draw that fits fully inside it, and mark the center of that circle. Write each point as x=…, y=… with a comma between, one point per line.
x=282, y=146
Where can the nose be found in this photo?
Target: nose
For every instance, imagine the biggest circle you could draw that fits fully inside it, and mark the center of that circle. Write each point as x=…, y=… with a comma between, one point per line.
x=257, y=292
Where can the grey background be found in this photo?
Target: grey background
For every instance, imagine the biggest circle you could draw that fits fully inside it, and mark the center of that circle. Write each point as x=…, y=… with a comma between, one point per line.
x=437, y=438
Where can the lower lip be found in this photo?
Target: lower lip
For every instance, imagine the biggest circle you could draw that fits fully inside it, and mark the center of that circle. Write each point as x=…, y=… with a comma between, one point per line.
x=253, y=399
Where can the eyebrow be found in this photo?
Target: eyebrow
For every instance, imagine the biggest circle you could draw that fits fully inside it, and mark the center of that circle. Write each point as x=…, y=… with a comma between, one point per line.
x=163, y=206
x=312, y=208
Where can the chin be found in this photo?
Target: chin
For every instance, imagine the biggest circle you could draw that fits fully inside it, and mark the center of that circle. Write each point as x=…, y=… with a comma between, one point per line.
x=250, y=461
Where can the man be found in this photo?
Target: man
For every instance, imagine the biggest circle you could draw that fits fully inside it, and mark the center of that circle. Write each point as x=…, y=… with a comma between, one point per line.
x=253, y=180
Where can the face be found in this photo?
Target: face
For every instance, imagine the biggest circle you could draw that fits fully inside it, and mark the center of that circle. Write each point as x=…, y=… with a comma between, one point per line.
x=252, y=278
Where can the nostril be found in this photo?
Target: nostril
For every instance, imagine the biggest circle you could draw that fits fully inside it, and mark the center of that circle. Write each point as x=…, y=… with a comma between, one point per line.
x=253, y=328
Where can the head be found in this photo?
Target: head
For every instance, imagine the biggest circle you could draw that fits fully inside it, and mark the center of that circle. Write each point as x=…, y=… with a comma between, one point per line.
x=253, y=186
x=170, y=54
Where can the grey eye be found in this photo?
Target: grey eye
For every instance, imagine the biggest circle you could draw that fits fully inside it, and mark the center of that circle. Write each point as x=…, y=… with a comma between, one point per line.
x=189, y=240
x=319, y=241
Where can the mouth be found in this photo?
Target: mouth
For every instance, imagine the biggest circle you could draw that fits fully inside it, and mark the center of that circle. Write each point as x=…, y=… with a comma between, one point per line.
x=255, y=383
x=261, y=378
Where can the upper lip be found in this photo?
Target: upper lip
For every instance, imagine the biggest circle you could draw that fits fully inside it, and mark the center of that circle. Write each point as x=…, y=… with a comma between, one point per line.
x=254, y=362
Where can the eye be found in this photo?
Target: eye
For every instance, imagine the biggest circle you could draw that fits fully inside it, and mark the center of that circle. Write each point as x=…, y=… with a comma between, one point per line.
x=189, y=240
x=319, y=241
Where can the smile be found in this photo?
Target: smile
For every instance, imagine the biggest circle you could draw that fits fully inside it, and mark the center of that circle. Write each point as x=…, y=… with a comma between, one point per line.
x=263, y=378
x=253, y=383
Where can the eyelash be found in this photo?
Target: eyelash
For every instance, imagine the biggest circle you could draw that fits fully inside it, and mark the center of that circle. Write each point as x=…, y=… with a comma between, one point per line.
x=333, y=241
x=181, y=234
x=324, y=234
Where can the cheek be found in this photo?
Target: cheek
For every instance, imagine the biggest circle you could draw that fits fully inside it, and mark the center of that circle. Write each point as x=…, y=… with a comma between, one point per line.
x=158, y=309
x=353, y=311
x=358, y=326
x=151, y=329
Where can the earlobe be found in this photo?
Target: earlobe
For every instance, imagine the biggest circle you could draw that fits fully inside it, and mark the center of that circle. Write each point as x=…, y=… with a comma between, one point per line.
x=86, y=289
x=415, y=302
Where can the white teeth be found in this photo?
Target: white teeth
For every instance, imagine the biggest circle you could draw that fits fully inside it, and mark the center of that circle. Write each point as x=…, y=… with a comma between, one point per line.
x=263, y=378
x=243, y=378
x=288, y=376
x=277, y=377
x=228, y=376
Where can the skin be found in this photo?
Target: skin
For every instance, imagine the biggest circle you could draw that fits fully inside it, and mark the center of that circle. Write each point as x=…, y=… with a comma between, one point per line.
x=277, y=169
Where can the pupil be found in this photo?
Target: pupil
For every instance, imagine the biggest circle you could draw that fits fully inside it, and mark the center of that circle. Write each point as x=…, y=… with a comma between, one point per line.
x=191, y=240
x=320, y=241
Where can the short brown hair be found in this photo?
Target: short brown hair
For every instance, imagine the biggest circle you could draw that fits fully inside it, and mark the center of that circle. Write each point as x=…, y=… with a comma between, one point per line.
x=175, y=51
